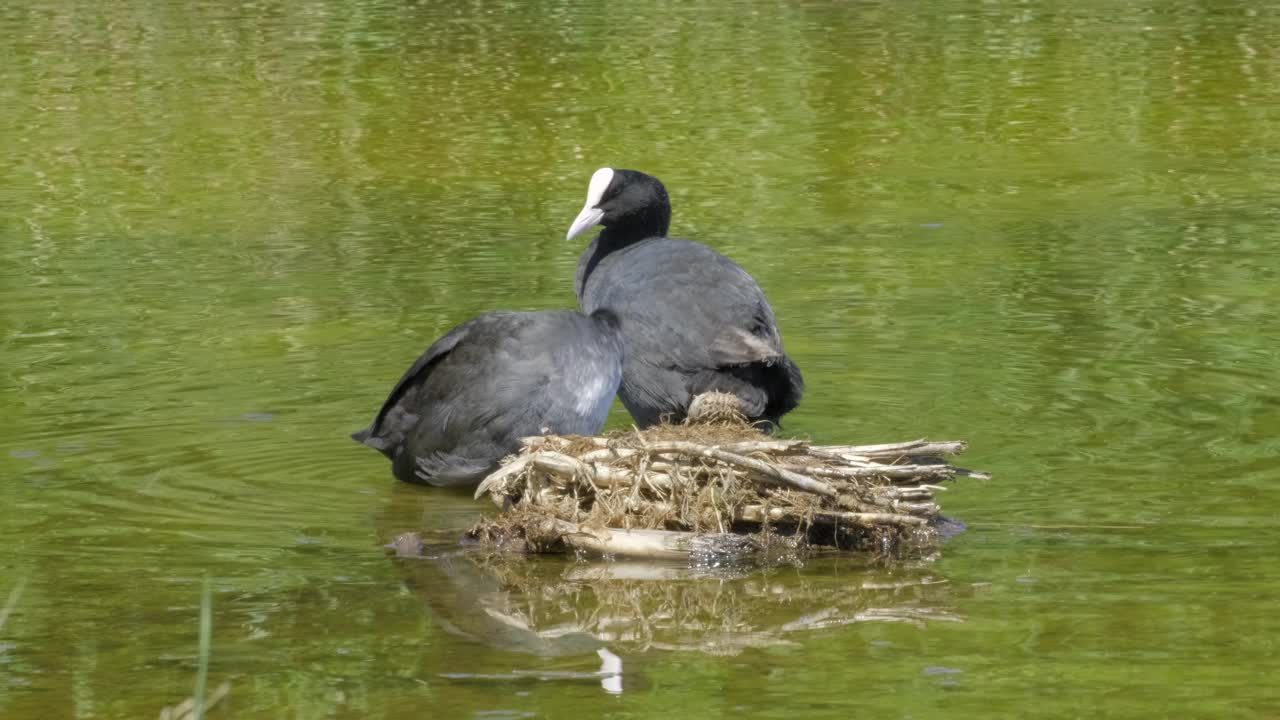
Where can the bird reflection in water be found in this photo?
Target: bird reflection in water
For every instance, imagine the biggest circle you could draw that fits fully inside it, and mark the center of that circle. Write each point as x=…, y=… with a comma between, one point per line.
x=552, y=608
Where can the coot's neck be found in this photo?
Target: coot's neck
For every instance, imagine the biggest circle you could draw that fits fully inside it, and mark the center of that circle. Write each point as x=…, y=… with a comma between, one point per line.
x=647, y=223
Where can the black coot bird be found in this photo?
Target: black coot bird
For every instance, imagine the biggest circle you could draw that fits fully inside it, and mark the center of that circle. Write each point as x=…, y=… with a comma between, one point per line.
x=492, y=380
x=692, y=320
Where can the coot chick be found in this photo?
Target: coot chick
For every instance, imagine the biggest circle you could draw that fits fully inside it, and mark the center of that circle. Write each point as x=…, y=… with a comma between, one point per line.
x=492, y=380
x=692, y=320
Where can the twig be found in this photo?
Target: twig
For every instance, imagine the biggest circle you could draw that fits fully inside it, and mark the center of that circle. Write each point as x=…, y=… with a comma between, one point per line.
x=652, y=544
x=570, y=467
x=911, y=448
x=780, y=475
x=781, y=447
x=757, y=513
x=500, y=475
x=605, y=454
x=537, y=441
x=895, y=472
x=182, y=711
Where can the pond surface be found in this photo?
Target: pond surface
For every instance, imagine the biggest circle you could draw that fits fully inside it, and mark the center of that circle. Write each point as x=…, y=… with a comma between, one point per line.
x=1049, y=228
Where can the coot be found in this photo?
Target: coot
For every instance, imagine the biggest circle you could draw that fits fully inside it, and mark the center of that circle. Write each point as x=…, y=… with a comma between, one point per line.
x=492, y=380
x=692, y=320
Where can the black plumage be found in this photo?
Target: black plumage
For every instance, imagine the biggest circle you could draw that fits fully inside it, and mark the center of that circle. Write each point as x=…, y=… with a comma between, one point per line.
x=492, y=380
x=692, y=320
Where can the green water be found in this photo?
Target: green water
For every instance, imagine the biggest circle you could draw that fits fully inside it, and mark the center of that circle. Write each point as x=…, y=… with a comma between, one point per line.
x=1049, y=228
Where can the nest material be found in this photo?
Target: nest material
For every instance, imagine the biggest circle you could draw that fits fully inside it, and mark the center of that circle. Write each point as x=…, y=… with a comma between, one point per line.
x=695, y=490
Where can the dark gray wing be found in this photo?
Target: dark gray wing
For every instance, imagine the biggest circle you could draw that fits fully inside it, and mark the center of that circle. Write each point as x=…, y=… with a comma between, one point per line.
x=696, y=308
x=693, y=321
x=514, y=375
x=373, y=435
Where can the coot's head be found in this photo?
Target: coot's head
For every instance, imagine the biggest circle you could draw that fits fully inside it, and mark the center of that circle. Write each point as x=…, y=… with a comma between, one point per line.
x=626, y=201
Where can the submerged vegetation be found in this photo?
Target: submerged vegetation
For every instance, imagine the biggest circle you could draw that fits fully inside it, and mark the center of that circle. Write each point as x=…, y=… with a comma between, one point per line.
x=194, y=707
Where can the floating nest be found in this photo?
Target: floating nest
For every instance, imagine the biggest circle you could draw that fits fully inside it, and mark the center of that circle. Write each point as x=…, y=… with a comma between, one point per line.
x=716, y=490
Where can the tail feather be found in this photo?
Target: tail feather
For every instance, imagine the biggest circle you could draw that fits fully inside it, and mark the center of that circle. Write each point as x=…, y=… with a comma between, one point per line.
x=377, y=442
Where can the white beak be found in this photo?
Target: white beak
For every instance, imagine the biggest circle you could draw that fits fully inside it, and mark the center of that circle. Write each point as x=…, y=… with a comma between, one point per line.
x=587, y=219
x=591, y=215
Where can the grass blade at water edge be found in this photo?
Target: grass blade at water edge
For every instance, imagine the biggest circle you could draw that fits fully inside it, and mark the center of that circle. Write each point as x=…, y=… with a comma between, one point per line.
x=14, y=595
x=206, y=633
